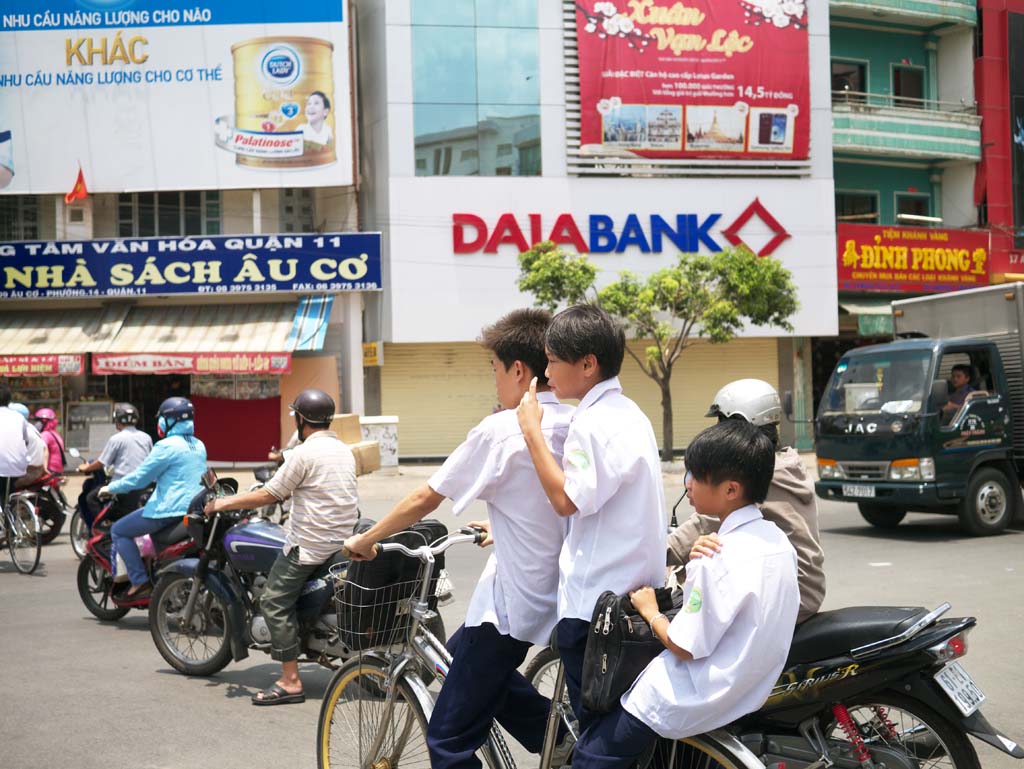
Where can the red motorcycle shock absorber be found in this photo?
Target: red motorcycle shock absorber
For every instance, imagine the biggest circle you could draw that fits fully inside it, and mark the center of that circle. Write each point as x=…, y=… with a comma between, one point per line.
x=888, y=727
x=860, y=750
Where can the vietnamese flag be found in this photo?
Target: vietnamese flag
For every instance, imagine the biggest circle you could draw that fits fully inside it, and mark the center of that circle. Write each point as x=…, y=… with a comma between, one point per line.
x=78, y=192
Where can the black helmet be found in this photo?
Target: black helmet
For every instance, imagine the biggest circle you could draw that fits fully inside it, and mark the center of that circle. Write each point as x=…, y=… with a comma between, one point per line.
x=125, y=414
x=176, y=409
x=315, y=406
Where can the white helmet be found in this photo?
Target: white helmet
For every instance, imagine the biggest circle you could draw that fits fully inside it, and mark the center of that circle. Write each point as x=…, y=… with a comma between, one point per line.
x=753, y=399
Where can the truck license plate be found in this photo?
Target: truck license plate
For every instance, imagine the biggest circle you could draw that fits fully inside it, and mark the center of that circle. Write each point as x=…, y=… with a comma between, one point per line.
x=850, y=490
x=961, y=689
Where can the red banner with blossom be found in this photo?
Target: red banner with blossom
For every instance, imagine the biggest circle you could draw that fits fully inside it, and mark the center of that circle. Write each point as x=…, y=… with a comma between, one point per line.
x=40, y=365
x=915, y=260
x=698, y=78
x=192, y=363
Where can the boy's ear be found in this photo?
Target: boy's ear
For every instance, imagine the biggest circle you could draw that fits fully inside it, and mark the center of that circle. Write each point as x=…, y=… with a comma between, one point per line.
x=590, y=367
x=734, y=491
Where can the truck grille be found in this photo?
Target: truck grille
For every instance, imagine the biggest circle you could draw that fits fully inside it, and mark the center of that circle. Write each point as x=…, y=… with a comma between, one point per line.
x=865, y=471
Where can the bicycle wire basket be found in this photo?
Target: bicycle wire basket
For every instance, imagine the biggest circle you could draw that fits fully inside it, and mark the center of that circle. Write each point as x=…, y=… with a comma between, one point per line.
x=374, y=616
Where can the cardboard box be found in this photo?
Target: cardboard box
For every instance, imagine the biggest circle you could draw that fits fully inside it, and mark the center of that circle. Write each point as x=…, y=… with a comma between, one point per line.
x=348, y=428
x=367, y=454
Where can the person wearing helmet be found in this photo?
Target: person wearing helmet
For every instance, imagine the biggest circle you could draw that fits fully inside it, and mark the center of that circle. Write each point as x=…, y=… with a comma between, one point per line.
x=124, y=451
x=176, y=465
x=54, y=443
x=320, y=477
x=22, y=449
x=790, y=504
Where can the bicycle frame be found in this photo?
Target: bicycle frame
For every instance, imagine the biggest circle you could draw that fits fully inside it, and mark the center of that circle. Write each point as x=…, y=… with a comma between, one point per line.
x=423, y=647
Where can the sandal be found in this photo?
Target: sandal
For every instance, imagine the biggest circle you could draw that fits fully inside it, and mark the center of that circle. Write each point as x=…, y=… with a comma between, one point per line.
x=275, y=695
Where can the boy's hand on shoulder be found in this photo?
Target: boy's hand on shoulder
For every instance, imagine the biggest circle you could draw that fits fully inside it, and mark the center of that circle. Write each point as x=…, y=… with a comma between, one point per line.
x=706, y=546
x=486, y=526
x=529, y=412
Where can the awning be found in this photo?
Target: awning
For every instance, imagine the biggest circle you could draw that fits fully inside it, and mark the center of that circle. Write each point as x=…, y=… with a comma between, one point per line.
x=867, y=307
x=60, y=331
x=309, y=329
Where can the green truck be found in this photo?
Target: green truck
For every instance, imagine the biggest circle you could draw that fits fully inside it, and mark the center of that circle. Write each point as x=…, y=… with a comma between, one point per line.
x=895, y=436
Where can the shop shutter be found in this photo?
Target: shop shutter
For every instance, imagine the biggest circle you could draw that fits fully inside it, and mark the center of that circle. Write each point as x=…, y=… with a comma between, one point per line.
x=441, y=391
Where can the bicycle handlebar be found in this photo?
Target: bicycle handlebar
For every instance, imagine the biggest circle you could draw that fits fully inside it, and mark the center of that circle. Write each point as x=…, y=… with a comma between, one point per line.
x=466, y=534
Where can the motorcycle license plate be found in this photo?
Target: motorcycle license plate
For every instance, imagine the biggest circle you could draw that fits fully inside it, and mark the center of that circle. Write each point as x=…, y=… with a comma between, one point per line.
x=961, y=689
x=863, y=492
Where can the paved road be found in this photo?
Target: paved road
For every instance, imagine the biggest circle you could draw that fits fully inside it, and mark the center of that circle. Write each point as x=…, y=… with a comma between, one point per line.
x=83, y=694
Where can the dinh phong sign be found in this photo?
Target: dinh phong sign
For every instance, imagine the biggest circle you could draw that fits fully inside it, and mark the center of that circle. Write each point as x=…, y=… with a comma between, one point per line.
x=174, y=95
x=695, y=78
x=913, y=260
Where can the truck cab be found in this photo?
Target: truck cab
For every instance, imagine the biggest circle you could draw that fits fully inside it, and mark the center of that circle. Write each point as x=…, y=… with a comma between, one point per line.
x=924, y=424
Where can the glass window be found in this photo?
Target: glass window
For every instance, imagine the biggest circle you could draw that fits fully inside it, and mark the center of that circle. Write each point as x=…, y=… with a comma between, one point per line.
x=168, y=214
x=912, y=209
x=879, y=383
x=19, y=217
x=857, y=207
x=296, y=212
x=849, y=81
x=475, y=87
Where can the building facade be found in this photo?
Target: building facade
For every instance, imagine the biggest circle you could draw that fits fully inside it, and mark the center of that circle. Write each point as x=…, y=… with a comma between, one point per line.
x=480, y=136
x=907, y=137
x=208, y=246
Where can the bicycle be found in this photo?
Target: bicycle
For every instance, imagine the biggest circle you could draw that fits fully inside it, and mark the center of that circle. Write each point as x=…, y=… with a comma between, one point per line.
x=375, y=710
x=20, y=527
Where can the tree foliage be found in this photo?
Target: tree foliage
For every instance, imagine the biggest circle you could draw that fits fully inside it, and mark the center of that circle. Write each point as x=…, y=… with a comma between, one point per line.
x=704, y=296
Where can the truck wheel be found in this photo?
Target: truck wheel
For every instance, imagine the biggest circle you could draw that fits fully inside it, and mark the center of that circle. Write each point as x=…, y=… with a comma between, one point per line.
x=882, y=517
x=989, y=505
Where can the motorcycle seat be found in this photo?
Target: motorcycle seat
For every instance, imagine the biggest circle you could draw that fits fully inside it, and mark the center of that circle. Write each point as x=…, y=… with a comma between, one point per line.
x=169, y=536
x=834, y=633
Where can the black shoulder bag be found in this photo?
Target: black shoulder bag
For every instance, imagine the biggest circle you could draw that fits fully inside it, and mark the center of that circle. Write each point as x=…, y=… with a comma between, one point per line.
x=619, y=647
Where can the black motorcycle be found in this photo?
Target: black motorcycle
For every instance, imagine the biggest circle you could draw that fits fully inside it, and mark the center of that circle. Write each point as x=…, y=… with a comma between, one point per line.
x=205, y=611
x=863, y=688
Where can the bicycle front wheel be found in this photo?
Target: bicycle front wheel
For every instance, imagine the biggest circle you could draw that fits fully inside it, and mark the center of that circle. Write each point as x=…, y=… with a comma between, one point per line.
x=356, y=728
x=24, y=538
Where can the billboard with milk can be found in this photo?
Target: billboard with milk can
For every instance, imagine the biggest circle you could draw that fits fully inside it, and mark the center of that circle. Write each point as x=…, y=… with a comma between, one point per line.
x=168, y=95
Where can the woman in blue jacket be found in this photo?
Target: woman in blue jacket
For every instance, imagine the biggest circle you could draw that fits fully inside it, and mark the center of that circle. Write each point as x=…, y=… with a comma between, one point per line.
x=176, y=465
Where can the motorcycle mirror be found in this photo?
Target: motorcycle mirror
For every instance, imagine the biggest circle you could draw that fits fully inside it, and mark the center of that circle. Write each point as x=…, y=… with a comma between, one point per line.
x=210, y=478
x=787, y=404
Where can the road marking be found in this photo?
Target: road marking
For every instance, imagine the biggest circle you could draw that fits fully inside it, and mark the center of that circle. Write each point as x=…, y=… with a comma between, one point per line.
x=881, y=563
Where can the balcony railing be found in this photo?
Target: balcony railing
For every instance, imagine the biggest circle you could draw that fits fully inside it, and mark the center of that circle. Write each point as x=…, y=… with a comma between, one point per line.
x=869, y=101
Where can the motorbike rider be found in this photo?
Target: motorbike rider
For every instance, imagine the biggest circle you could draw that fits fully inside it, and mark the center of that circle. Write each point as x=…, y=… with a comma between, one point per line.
x=54, y=443
x=790, y=505
x=320, y=476
x=176, y=464
x=124, y=452
x=38, y=453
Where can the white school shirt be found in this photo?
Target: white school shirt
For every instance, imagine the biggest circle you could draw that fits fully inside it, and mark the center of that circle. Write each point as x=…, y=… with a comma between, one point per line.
x=15, y=444
x=737, y=622
x=617, y=536
x=517, y=591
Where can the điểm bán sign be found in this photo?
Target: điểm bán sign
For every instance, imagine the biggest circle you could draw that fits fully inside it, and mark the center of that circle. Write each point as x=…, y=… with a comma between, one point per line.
x=326, y=263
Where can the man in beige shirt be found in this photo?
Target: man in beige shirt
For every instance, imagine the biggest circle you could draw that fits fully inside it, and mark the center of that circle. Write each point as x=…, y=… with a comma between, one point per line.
x=320, y=477
x=790, y=504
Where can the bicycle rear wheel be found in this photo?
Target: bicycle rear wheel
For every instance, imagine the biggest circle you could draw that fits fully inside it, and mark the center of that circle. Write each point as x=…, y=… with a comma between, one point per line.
x=692, y=753
x=24, y=538
x=355, y=711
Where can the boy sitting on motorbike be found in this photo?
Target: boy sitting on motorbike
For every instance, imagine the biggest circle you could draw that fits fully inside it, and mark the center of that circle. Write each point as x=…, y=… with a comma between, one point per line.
x=176, y=465
x=728, y=644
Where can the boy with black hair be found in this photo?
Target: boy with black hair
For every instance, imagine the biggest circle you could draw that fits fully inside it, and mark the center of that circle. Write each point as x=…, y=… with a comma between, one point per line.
x=514, y=604
x=608, y=485
x=726, y=648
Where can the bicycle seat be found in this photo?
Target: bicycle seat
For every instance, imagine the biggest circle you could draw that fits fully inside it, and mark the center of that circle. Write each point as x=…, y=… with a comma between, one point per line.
x=834, y=633
x=169, y=536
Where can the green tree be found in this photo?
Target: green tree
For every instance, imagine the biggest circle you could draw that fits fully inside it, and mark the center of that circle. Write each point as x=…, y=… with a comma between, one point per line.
x=700, y=296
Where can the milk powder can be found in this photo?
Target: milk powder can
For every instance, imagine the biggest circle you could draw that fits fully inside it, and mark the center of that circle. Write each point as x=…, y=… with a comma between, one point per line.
x=284, y=103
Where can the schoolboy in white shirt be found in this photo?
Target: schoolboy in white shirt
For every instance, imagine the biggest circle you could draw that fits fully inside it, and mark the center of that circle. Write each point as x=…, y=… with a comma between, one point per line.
x=727, y=646
x=514, y=604
x=608, y=485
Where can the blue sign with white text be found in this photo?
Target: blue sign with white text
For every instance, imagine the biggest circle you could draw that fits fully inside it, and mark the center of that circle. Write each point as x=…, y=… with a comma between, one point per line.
x=331, y=262
x=24, y=15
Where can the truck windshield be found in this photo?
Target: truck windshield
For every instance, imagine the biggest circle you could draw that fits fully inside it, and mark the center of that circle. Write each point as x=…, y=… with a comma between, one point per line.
x=878, y=383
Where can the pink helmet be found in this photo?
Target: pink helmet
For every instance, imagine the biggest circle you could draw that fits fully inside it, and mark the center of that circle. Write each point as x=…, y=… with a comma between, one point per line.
x=45, y=413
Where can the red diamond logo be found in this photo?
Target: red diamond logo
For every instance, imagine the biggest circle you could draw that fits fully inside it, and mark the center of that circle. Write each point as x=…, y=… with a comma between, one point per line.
x=732, y=234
